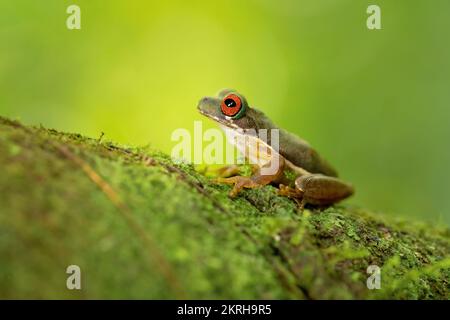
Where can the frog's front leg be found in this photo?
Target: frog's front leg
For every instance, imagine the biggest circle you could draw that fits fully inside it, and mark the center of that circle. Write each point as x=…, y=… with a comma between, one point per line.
x=321, y=190
x=232, y=170
x=255, y=181
x=241, y=182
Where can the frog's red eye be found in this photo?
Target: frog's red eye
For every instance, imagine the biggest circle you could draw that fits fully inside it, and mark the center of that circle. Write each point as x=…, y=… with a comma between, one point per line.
x=231, y=105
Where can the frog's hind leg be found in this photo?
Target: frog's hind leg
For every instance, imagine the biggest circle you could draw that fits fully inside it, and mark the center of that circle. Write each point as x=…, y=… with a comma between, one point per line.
x=322, y=190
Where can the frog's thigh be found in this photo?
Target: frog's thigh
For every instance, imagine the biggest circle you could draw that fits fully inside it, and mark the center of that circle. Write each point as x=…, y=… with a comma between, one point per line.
x=322, y=190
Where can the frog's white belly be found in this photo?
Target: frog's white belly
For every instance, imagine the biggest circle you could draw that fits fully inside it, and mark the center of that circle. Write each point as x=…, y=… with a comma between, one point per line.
x=254, y=149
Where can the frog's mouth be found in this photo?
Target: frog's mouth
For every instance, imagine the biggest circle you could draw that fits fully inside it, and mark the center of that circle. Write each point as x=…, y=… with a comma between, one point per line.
x=224, y=122
x=227, y=124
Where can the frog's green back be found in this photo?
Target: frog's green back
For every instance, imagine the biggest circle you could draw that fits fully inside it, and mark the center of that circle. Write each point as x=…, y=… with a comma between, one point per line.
x=300, y=153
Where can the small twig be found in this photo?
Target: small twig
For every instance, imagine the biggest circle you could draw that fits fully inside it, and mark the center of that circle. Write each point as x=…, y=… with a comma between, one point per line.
x=99, y=140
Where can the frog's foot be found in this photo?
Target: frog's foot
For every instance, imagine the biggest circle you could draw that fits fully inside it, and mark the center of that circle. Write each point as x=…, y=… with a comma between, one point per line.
x=239, y=184
x=287, y=191
x=293, y=193
x=256, y=180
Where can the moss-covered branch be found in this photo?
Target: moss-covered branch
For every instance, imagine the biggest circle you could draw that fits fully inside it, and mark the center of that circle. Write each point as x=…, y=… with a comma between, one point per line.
x=140, y=226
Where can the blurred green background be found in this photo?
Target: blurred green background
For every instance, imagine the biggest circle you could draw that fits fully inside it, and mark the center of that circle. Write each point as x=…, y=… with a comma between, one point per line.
x=373, y=102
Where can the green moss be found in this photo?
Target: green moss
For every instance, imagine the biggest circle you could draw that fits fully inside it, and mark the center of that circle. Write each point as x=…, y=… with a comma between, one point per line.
x=167, y=231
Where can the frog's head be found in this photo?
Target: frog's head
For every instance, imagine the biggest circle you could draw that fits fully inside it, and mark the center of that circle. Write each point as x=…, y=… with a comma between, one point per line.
x=229, y=109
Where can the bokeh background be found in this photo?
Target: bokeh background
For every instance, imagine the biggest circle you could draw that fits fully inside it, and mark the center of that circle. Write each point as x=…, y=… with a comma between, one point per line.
x=375, y=103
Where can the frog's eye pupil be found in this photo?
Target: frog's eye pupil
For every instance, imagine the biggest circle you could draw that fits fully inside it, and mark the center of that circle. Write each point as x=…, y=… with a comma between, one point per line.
x=231, y=105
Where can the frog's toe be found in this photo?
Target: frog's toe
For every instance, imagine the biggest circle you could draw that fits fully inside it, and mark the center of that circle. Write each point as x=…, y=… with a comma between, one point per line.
x=287, y=191
x=284, y=190
x=239, y=183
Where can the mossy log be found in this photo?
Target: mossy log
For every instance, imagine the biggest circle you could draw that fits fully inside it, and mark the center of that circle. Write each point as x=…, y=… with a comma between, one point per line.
x=140, y=226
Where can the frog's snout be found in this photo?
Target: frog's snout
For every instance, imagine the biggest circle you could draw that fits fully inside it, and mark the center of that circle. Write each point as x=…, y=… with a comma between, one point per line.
x=210, y=107
x=204, y=105
x=203, y=101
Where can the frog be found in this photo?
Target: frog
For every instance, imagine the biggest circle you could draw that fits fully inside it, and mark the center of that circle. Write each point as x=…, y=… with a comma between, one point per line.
x=300, y=173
